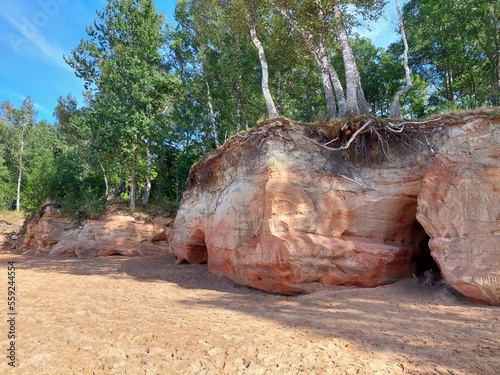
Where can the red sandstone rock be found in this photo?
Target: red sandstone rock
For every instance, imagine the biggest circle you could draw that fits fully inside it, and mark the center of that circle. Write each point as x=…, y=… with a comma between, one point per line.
x=121, y=235
x=459, y=206
x=115, y=234
x=8, y=234
x=289, y=217
x=43, y=232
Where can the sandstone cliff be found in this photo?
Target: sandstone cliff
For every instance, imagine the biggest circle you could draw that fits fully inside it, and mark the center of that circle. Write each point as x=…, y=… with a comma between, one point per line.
x=277, y=209
x=459, y=207
x=114, y=234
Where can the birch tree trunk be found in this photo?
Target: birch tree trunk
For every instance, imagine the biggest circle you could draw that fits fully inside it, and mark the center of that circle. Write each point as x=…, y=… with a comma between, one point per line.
x=18, y=196
x=147, y=190
x=133, y=181
x=20, y=175
x=334, y=81
x=106, y=182
x=332, y=86
x=395, y=111
x=355, y=97
x=211, y=116
x=239, y=110
x=271, y=108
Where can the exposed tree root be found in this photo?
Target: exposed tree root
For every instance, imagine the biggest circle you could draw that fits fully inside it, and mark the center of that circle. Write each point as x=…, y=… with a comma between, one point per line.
x=363, y=132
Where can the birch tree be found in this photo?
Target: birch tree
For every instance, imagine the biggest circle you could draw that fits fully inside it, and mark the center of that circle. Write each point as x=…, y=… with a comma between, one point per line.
x=395, y=111
x=355, y=97
x=122, y=65
x=332, y=86
x=314, y=20
x=21, y=122
x=249, y=13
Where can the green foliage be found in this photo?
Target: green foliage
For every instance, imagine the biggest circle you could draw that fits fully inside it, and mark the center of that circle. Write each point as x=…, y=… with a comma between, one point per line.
x=176, y=94
x=65, y=181
x=126, y=74
x=455, y=47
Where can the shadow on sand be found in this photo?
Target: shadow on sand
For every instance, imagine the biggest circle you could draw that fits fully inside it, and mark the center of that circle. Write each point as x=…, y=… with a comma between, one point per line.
x=407, y=319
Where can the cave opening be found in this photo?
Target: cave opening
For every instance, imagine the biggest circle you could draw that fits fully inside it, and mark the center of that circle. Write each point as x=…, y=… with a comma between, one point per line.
x=423, y=260
x=197, y=249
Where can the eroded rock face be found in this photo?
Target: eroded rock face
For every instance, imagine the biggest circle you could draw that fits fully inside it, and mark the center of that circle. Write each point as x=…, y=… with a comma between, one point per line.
x=459, y=207
x=121, y=235
x=8, y=234
x=43, y=232
x=279, y=214
x=115, y=234
x=275, y=212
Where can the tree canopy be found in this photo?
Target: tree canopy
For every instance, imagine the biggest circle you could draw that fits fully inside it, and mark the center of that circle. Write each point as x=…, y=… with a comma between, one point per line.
x=158, y=98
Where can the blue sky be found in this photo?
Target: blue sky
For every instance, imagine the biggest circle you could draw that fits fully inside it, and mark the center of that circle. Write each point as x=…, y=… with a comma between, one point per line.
x=35, y=34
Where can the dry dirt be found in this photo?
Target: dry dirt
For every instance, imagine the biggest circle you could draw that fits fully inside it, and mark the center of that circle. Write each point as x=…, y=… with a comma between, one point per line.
x=148, y=316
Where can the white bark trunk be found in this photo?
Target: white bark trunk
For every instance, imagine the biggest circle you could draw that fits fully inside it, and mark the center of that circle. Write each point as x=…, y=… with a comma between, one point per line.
x=332, y=86
x=328, y=89
x=147, y=190
x=133, y=189
x=271, y=108
x=20, y=175
x=395, y=111
x=326, y=65
x=133, y=182
x=106, y=183
x=18, y=196
x=239, y=110
x=356, y=102
x=211, y=116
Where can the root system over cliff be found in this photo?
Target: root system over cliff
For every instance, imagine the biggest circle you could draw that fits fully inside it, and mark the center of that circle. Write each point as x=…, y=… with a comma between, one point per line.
x=361, y=139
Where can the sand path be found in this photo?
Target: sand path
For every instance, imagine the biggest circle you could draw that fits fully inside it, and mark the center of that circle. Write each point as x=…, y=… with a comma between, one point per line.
x=148, y=316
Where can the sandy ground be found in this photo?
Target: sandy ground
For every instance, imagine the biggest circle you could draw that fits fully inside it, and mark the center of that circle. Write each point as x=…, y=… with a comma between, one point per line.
x=149, y=316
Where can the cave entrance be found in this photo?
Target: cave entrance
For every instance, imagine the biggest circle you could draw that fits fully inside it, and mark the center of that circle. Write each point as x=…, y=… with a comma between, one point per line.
x=423, y=259
x=197, y=251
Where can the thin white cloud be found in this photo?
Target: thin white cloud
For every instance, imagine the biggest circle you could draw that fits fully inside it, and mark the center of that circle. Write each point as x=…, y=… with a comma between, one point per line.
x=52, y=52
x=27, y=36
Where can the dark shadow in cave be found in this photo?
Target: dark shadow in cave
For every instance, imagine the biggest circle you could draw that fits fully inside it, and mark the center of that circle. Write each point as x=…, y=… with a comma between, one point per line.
x=424, y=261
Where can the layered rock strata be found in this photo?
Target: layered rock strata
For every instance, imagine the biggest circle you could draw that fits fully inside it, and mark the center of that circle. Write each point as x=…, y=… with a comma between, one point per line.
x=273, y=210
x=114, y=234
x=459, y=207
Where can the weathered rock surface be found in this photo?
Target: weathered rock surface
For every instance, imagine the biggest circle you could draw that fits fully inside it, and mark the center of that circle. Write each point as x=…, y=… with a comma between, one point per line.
x=8, y=234
x=280, y=214
x=42, y=232
x=114, y=234
x=273, y=211
x=459, y=207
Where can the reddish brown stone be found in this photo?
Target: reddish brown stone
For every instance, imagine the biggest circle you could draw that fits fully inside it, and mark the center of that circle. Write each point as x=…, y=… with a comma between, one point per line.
x=286, y=218
x=459, y=206
x=114, y=234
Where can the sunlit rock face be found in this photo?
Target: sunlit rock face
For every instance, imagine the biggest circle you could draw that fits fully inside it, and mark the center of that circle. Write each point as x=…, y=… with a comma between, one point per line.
x=459, y=207
x=275, y=212
x=43, y=231
x=114, y=234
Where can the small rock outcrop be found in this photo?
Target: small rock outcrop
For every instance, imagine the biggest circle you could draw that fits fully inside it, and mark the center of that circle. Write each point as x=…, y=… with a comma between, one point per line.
x=8, y=234
x=114, y=234
x=276, y=210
